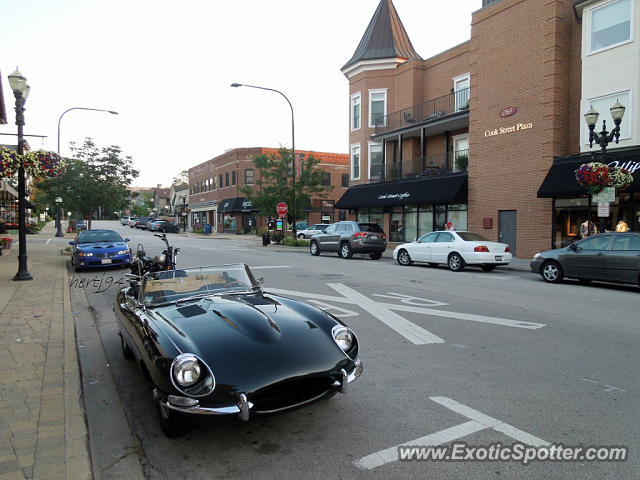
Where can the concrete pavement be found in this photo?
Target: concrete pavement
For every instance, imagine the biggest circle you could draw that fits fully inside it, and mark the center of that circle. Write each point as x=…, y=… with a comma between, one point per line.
x=43, y=434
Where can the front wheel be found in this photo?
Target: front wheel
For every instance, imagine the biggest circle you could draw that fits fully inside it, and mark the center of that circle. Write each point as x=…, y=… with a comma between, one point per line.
x=172, y=423
x=552, y=272
x=301, y=236
x=314, y=249
x=345, y=250
x=455, y=262
x=126, y=351
x=404, y=258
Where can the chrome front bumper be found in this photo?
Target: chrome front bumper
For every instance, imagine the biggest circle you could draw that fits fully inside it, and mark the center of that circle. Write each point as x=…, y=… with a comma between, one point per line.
x=243, y=406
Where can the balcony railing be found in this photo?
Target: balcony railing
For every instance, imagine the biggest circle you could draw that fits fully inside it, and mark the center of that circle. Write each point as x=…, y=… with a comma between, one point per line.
x=436, y=164
x=424, y=112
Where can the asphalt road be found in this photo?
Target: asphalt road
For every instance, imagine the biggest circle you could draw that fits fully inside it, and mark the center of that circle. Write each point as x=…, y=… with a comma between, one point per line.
x=493, y=357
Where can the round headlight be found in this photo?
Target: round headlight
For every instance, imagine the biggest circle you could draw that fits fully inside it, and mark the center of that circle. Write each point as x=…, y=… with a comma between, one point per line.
x=186, y=370
x=343, y=337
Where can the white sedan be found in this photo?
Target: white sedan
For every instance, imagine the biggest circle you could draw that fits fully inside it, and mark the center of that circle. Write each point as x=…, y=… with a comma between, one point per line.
x=455, y=249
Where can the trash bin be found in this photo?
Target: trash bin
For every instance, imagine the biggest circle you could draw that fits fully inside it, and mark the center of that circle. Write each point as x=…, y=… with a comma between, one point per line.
x=207, y=229
x=266, y=239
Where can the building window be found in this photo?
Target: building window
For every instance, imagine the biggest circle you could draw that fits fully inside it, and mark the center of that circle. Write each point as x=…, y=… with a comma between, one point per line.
x=248, y=176
x=233, y=177
x=221, y=183
x=326, y=181
x=610, y=25
x=356, y=110
x=377, y=107
x=212, y=183
x=602, y=106
x=226, y=179
x=355, y=162
x=345, y=180
x=461, y=91
x=375, y=161
x=460, y=153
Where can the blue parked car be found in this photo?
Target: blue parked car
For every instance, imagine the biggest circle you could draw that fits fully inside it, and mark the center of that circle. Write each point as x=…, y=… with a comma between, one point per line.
x=99, y=248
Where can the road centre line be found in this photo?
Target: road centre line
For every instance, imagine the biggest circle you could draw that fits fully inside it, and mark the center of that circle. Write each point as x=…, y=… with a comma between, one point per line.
x=412, y=332
x=470, y=317
x=478, y=421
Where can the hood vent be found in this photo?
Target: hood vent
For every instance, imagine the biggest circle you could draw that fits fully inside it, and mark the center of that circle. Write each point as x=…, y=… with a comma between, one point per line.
x=191, y=311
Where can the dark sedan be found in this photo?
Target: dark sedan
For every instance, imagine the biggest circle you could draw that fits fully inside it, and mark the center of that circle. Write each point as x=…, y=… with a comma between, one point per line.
x=609, y=257
x=163, y=226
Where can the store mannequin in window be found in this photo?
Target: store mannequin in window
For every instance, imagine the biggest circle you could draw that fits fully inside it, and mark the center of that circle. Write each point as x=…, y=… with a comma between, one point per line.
x=588, y=228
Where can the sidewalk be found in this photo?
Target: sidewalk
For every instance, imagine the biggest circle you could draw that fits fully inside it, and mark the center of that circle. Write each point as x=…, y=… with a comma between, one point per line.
x=42, y=425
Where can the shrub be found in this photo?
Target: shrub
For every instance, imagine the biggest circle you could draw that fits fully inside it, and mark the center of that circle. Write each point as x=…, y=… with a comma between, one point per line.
x=294, y=242
x=277, y=237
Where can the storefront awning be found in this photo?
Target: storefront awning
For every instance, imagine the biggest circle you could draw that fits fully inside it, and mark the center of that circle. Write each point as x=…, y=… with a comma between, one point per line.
x=441, y=189
x=237, y=204
x=561, y=178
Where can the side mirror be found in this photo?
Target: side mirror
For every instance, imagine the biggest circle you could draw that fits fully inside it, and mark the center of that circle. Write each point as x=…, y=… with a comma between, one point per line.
x=126, y=239
x=72, y=242
x=573, y=247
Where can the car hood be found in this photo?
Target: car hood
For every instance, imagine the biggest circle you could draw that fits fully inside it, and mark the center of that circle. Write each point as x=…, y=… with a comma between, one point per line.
x=102, y=245
x=252, y=341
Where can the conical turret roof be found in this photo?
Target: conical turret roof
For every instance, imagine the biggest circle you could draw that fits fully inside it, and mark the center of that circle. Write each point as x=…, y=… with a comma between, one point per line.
x=385, y=37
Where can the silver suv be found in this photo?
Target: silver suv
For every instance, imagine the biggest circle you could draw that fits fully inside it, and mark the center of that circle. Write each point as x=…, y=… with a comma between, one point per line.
x=348, y=238
x=312, y=230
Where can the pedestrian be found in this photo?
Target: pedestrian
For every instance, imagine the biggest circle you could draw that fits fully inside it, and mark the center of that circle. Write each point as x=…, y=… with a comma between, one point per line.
x=588, y=228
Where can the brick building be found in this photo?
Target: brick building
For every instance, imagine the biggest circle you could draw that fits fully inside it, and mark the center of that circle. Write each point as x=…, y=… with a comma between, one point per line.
x=470, y=135
x=214, y=198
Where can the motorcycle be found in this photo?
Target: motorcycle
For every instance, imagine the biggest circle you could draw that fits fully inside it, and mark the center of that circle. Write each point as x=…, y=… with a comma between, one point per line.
x=162, y=261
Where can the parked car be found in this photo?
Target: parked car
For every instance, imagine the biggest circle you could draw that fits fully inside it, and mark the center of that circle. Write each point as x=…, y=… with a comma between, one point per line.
x=312, y=230
x=347, y=238
x=141, y=223
x=99, y=248
x=455, y=249
x=150, y=220
x=132, y=221
x=81, y=225
x=213, y=342
x=609, y=257
x=124, y=220
x=163, y=226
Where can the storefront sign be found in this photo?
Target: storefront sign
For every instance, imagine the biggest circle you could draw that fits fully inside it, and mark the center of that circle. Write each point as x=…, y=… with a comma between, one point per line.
x=603, y=209
x=487, y=223
x=399, y=196
x=512, y=129
x=631, y=166
x=247, y=206
x=606, y=195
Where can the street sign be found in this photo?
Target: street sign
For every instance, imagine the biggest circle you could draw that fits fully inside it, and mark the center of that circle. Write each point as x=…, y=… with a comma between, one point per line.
x=608, y=194
x=282, y=209
x=603, y=209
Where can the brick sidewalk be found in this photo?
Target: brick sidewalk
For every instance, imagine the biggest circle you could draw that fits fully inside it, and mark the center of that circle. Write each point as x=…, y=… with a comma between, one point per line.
x=42, y=426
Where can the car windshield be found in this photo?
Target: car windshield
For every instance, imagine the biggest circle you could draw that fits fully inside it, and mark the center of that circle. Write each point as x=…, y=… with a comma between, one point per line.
x=471, y=237
x=175, y=285
x=96, y=236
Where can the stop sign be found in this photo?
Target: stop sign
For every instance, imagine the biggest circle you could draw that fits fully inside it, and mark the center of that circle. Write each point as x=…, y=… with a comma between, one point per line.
x=282, y=209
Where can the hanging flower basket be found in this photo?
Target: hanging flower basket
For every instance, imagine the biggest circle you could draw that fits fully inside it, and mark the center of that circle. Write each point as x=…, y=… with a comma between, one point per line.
x=41, y=163
x=593, y=176
x=5, y=242
x=9, y=162
x=620, y=177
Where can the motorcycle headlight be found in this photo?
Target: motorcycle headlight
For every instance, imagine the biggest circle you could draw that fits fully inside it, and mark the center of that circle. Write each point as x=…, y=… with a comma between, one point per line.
x=186, y=370
x=343, y=337
x=123, y=252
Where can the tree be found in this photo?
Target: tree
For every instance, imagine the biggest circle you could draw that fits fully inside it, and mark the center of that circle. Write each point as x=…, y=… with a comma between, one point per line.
x=274, y=183
x=181, y=179
x=93, y=178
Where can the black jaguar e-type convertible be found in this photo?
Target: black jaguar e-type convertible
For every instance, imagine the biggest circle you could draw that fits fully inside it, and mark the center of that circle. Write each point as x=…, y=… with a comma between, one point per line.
x=213, y=342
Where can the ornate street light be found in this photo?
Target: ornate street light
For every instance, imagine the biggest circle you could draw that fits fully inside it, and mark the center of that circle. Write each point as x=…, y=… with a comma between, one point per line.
x=18, y=84
x=293, y=147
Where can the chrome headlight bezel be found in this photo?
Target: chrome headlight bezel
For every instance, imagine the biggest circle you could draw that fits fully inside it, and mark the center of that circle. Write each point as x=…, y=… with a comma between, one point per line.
x=345, y=339
x=123, y=252
x=199, y=386
x=186, y=370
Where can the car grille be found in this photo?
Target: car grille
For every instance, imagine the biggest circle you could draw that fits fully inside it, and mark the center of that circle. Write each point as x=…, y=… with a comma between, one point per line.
x=289, y=393
x=104, y=255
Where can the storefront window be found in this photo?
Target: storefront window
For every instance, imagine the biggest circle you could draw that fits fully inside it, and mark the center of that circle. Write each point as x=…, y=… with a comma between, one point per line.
x=440, y=217
x=410, y=223
x=425, y=219
x=396, y=228
x=229, y=220
x=457, y=215
x=362, y=215
x=376, y=216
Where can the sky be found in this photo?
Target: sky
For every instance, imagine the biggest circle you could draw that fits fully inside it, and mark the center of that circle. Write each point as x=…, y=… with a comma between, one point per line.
x=166, y=67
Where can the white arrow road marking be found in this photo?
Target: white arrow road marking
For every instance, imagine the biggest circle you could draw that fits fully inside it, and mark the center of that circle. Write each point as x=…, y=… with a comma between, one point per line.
x=478, y=421
x=412, y=332
x=470, y=317
x=340, y=312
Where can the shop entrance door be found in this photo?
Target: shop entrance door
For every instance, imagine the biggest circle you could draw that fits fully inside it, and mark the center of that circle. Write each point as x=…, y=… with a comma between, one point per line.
x=507, y=227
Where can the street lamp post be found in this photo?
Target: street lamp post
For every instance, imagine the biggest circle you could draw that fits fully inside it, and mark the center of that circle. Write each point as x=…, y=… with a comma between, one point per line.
x=293, y=146
x=184, y=214
x=59, y=211
x=20, y=89
x=59, y=217
x=603, y=138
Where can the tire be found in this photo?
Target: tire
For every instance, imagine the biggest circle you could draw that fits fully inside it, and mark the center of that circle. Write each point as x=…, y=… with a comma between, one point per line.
x=404, y=258
x=314, y=249
x=345, y=250
x=488, y=268
x=172, y=423
x=126, y=351
x=76, y=268
x=455, y=262
x=301, y=237
x=551, y=272
x=375, y=256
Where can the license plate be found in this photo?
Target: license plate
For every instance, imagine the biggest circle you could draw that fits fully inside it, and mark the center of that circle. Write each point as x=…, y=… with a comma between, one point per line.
x=498, y=258
x=106, y=260
x=374, y=237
